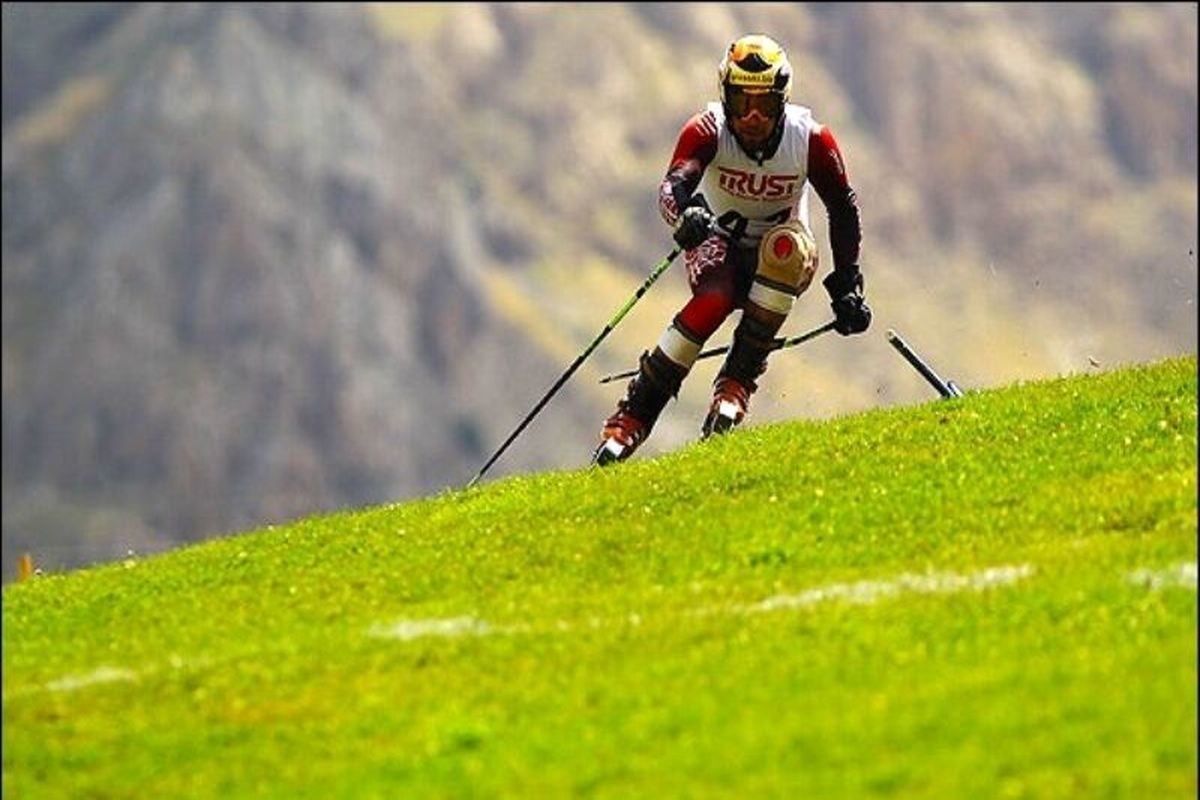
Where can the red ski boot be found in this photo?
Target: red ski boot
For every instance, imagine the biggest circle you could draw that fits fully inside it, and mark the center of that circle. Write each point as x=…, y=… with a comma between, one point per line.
x=622, y=434
x=728, y=408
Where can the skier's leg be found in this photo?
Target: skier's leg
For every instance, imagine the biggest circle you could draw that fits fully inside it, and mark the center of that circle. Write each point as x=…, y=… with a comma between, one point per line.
x=787, y=261
x=662, y=370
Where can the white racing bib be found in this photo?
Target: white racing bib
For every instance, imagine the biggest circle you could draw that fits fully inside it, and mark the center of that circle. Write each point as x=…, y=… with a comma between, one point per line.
x=749, y=199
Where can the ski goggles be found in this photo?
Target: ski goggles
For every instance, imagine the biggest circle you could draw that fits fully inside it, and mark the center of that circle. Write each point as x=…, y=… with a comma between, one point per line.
x=740, y=103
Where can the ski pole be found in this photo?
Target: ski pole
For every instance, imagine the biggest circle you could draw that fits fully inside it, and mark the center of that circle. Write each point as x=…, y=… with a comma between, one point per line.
x=612, y=323
x=946, y=389
x=716, y=351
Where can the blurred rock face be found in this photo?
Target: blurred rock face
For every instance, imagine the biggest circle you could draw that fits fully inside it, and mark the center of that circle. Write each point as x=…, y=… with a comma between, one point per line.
x=263, y=261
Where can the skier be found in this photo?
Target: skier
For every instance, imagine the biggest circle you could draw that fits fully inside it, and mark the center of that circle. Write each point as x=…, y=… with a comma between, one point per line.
x=736, y=195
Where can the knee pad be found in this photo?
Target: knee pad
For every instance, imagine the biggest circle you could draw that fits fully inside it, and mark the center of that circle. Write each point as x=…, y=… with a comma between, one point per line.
x=787, y=262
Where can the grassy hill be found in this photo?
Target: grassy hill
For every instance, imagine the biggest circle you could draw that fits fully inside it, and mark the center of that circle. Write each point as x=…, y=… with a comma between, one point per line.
x=264, y=260
x=986, y=597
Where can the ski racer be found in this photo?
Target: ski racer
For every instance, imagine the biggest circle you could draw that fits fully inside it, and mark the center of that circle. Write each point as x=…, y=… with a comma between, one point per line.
x=736, y=195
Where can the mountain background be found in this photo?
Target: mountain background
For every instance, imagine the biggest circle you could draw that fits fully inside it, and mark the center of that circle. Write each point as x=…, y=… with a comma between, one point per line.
x=261, y=261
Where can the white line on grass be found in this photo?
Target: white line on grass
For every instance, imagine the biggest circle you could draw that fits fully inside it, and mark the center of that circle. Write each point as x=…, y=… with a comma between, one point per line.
x=857, y=593
x=407, y=630
x=106, y=674
x=101, y=675
x=860, y=592
x=865, y=592
x=72, y=682
x=1181, y=576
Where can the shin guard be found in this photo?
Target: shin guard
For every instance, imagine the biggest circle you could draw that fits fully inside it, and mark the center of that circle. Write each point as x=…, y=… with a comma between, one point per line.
x=657, y=381
x=753, y=340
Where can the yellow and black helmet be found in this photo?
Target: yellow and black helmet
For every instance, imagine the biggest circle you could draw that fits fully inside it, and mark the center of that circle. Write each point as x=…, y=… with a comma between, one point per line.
x=753, y=65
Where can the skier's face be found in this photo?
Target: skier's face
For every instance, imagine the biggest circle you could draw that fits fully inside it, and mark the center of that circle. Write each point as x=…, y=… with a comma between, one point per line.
x=753, y=116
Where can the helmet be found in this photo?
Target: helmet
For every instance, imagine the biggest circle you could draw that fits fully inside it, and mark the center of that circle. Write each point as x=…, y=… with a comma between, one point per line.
x=754, y=65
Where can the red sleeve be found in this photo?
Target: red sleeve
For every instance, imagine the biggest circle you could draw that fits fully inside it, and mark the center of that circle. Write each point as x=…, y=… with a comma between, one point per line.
x=697, y=141
x=827, y=174
x=826, y=168
x=696, y=148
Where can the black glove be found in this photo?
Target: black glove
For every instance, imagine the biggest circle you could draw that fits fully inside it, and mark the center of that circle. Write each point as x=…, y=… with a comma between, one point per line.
x=695, y=225
x=845, y=289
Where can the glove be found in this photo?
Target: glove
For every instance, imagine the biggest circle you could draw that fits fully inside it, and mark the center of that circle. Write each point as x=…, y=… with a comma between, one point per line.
x=852, y=313
x=695, y=224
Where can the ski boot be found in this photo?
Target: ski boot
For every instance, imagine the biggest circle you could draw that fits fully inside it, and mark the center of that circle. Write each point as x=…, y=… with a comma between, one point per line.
x=729, y=404
x=621, y=436
x=657, y=381
x=736, y=381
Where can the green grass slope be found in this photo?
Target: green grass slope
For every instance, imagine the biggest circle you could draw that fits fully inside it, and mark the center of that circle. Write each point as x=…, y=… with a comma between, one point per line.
x=993, y=596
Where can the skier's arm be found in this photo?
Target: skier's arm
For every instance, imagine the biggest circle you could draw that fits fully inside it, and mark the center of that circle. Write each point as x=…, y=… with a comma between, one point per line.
x=827, y=174
x=696, y=148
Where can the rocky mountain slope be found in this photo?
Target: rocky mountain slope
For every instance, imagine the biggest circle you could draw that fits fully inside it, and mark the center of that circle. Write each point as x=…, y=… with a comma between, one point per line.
x=266, y=260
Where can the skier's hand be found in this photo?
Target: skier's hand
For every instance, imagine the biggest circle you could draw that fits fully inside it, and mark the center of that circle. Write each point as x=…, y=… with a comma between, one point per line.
x=695, y=225
x=852, y=313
